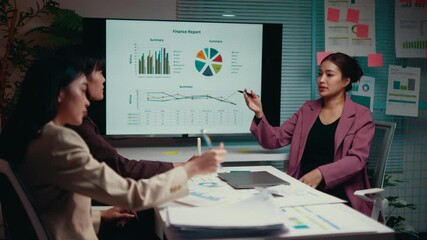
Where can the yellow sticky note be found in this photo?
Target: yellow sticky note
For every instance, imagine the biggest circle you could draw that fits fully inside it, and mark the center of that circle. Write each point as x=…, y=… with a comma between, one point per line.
x=171, y=153
x=244, y=151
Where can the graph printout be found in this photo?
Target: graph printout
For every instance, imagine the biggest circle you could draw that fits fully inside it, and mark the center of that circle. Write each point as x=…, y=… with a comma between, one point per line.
x=403, y=91
x=324, y=219
x=411, y=29
x=180, y=77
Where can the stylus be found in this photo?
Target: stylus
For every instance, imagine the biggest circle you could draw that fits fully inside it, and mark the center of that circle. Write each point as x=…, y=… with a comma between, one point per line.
x=208, y=140
x=199, y=146
x=249, y=94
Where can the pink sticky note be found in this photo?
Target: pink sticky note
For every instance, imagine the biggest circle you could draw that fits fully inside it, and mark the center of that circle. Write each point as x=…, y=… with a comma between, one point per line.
x=353, y=15
x=333, y=15
x=375, y=60
x=362, y=30
x=321, y=56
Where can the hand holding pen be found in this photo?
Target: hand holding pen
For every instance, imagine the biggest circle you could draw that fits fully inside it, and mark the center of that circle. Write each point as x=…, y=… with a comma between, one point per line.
x=207, y=162
x=254, y=103
x=209, y=141
x=249, y=94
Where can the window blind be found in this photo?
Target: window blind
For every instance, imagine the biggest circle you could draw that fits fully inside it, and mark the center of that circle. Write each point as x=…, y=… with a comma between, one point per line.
x=296, y=17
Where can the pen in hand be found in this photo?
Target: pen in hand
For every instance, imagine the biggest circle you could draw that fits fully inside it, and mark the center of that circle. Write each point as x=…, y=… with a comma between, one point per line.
x=206, y=138
x=249, y=94
x=199, y=146
x=208, y=141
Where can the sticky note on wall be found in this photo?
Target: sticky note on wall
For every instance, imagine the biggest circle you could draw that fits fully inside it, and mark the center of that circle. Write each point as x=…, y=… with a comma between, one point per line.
x=375, y=60
x=333, y=15
x=321, y=56
x=353, y=15
x=362, y=30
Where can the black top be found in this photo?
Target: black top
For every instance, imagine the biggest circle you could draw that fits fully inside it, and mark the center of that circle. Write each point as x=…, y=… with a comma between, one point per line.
x=319, y=150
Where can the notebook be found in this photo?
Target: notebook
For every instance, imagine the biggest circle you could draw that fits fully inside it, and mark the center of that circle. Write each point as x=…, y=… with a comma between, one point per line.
x=242, y=180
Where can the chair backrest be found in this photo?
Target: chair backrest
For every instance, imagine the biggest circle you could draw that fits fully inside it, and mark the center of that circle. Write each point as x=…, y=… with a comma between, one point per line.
x=380, y=148
x=19, y=217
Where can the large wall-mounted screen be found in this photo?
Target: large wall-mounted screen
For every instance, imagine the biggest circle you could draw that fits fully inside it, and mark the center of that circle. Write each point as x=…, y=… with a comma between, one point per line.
x=176, y=78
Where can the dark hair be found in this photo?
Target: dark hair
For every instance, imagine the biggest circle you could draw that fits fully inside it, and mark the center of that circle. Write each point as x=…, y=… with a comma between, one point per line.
x=349, y=67
x=90, y=58
x=37, y=103
x=93, y=61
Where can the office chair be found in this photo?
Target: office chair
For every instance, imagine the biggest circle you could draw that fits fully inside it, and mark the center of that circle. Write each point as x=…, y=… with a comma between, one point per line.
x=380, y=148
x=19, y=217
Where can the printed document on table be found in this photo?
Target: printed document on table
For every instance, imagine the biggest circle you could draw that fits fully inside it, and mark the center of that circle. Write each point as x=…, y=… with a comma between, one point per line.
x=258, y=211
x=324, y=219
x=208, y=190
x=294, y=195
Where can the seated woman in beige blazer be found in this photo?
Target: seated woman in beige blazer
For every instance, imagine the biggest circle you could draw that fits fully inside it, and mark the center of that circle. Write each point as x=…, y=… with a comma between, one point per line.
x=55, y=163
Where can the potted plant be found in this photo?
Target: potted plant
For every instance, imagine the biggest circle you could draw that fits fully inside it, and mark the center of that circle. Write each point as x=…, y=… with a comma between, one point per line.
x=24, y=40
x=395, y=202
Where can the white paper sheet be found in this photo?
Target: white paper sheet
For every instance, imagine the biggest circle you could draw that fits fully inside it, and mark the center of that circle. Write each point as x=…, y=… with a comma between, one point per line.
x=257, y=211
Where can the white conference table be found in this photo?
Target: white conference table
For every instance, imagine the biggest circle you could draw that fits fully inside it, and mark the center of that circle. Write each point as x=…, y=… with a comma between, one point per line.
x=309, y=214
x=236, y=153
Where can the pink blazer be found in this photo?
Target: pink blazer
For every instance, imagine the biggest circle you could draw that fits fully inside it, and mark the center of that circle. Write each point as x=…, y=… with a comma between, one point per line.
x=353, y=139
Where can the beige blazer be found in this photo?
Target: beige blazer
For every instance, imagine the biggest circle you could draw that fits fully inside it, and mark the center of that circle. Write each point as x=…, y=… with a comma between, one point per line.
x=62, y=177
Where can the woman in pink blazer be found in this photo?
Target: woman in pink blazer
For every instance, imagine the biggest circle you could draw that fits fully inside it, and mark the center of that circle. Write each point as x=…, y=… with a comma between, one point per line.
x=330, y=137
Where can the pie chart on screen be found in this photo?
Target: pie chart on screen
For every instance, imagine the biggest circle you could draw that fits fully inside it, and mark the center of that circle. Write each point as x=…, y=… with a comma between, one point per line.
x=208, y=61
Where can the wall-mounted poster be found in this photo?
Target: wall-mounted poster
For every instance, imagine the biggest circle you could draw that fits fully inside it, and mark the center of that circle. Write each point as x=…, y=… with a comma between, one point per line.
x=411, y=28
x=403, y=91
x=350, y=27
x=363, y=92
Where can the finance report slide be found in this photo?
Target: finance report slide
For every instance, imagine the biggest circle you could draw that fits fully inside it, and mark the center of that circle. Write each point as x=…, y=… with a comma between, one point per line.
x=174, y=78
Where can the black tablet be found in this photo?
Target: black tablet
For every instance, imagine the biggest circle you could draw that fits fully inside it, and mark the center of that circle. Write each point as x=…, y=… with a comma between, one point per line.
x=247, y=179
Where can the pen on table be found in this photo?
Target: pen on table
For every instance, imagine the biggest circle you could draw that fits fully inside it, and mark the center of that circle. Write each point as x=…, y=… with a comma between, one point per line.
x=199, y=146
x=249, y=94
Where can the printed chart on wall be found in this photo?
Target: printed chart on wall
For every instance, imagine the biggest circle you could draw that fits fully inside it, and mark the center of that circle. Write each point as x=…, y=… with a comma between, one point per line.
x=403, y=91
x=363, y=92
x=165, y=76
x=350, y=27
x=411, y=28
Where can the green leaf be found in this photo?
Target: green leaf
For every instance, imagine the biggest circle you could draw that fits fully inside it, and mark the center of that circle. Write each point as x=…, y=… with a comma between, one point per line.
x=407, y=229
x=69, y=20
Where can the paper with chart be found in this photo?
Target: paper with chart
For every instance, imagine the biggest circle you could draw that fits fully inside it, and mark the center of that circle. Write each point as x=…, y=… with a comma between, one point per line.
x=256, y=211
x=403, y=91
x=363, y=92
x=293, y=195
x=411, y=29
x=323, y=219
x=262, y=210
x=209, y=190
